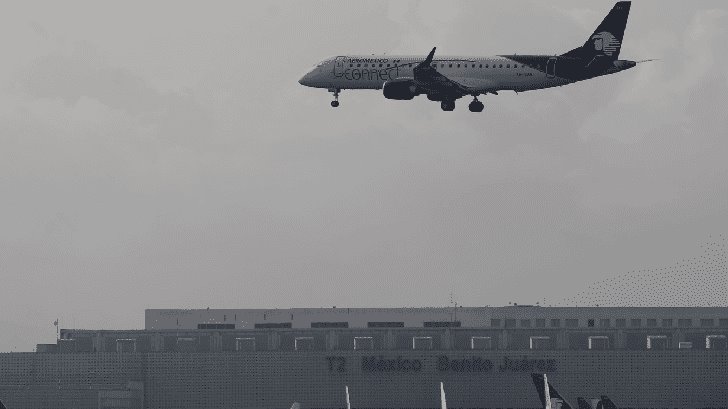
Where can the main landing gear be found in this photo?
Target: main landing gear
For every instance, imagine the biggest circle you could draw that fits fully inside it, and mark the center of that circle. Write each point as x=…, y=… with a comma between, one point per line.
x=476, y=106
x=335, y=102
x=447, y=105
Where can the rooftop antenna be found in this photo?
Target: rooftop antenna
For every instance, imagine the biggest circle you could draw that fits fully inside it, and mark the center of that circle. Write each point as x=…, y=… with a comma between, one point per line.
x=454, y=305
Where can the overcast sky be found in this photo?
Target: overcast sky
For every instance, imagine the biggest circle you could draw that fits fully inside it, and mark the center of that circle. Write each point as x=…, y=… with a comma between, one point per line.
x=163, y=155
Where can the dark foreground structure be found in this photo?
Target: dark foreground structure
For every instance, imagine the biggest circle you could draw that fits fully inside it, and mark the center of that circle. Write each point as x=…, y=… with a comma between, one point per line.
x=390, y=358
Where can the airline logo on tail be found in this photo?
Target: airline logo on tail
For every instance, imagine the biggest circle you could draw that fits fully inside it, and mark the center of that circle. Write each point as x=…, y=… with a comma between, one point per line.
x=606, y=42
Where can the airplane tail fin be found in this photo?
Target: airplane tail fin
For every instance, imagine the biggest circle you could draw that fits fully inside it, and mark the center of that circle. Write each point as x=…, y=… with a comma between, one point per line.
x=584, y=404
x=550, y=397
x=607, y=403
x=606, y=41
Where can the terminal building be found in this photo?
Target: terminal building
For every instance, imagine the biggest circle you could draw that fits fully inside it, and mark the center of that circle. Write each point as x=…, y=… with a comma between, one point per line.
x=642, y=358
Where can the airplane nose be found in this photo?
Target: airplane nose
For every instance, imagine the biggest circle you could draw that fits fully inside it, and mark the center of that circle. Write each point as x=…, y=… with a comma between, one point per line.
x=305, y=80
x=312, y=78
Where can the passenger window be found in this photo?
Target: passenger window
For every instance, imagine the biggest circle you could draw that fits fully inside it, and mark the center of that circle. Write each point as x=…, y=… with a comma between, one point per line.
x=450, y=65
x=481, y=66
x=500, y=66
x=486, y=65
x=351, y=65
x=358, y=65
x=508, y=66
x=515, y=65
x=387, y=65
x=473, y=66
x=380, y=65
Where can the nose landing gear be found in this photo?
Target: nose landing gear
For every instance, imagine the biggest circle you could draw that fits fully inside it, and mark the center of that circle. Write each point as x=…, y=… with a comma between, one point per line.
x=335, y=102
x=476, y=106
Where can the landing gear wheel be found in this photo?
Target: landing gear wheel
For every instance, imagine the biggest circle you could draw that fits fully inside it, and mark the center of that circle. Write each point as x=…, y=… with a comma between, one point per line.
x=447, y=105
x=335, y=102
x=476, y=106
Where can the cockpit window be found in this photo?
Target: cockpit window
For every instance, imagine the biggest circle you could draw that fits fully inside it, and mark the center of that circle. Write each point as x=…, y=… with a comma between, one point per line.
x=324, y=62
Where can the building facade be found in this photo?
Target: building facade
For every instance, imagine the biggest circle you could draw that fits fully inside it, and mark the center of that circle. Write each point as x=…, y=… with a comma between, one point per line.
x=389, y=358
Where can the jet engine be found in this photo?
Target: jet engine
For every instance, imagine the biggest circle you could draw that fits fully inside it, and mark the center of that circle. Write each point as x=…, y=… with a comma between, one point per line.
x=400, y=88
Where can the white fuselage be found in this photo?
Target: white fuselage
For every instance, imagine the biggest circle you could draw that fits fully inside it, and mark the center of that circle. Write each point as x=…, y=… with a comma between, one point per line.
x=482, y=74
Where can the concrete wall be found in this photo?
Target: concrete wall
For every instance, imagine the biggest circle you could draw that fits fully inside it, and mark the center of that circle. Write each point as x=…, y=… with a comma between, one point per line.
x=381, y=379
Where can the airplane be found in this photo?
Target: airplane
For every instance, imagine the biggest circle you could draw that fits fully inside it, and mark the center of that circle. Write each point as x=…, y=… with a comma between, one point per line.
x=446, y=79
x=602, y=403
x=587, y=404
x=607, y=403
x=550, y=397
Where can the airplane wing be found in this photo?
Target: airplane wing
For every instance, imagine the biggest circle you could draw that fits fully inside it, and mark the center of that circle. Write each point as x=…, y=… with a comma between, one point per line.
x=482, y=86
x=427, y=78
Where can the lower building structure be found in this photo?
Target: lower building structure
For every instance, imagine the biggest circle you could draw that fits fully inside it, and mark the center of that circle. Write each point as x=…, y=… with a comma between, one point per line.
x=641, y=358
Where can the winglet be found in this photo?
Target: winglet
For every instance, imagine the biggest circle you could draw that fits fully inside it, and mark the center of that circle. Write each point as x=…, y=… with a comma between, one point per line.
x=429, y=58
